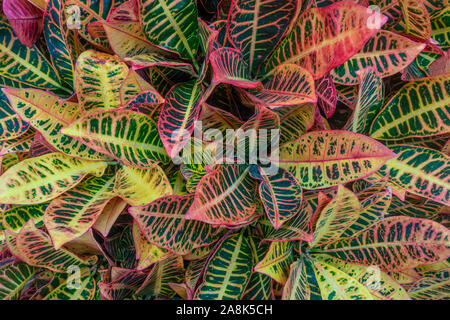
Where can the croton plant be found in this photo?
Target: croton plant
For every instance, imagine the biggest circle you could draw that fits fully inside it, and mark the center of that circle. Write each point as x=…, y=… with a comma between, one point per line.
x=117, y=181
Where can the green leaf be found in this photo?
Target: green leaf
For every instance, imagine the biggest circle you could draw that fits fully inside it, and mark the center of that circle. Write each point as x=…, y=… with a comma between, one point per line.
x=130, y=137
x=171, y=24
x=228, y=271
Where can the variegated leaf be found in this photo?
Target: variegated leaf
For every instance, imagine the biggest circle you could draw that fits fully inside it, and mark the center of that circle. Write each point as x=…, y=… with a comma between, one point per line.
x=326, y=94
x=281, y=196
x=127, y=39
x=141, y=186
x=377, y=282
x=171, y=25
x=98, y=78
x=229, y=67
x=11, y=126
x=228, y=270
x=23, y=67
x=322, y=159
x=178, y=115
x=289, y=85
x=14, y=278
x=43, y=178
x=163, y=223
x=370, y=100
x=431, y=288
x=394, y=243
x=295, y=121
x=338, y=215
x=316, y=42
x=36, y=249
x=89, y=11
x=277, y=261
x=224, y=196
x=421, y=171
x=421, y=108
x=56, y=34
x=15, y=218
x=297, y=228
x=133, y=86
x=47, y=114
x=146, y=252
x=256, y=27
x=170, y=270
x=337, y=285
x=302, y=283
x=387, y=52
x=75, y=211
x=130, y=137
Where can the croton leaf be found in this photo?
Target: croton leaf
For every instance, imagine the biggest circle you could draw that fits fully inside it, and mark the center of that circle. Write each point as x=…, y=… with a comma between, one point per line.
x=281, y=196
x=23, y=67
x=141, y=186
x=289, y=85
x=83, y=289
x=390, y=244
x=20, y=144
x=373, y=209
x=16, y=217
x=47, y=114
x=415, y=19
x=36, y=249
x=157, y=283
x=171, y=25
x=74, y=212
x=146, y=252
x=43, y=178
x=418, y=109
x=297, y=228
x=387, y=52
x=338, y=215
x=25, y=19
x=56, y=34
x=370, y=100
x=295, y=121
x=98, y=77
x=259, y=286
x=318, y=44
x=229, y=67
x=124, y=283
x=439, y=31
x=431, y=288
x=224, y=196
x=320, y=159
x=178, y=115
x=277, y=261
x=377, y=282
x=130, y=137
x=109, y=215
x=127, y=39
x=133, y=86
x=421, y=171
x=164, y=224
x=335, y=284
x=255, y=27
x=326, y=95
x=11, y=126
x=13, y=279
x=302, y=283
x=228, y=271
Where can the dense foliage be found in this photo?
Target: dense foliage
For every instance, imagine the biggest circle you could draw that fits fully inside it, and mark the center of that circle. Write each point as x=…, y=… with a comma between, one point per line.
x=114, y=185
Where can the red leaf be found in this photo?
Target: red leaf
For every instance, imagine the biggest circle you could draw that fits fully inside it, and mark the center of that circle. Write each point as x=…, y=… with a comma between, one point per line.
x=25, y=19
